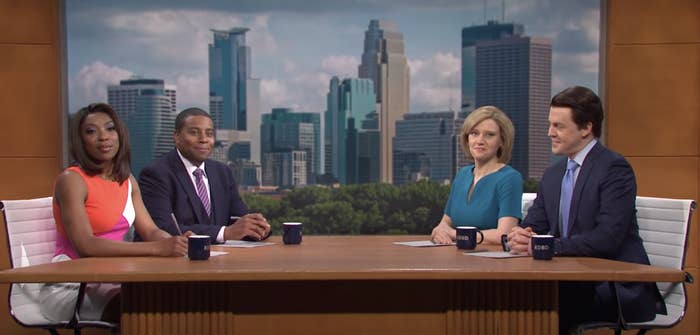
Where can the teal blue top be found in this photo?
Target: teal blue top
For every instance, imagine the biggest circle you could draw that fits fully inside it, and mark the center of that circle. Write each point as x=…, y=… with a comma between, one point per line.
x=496, y=195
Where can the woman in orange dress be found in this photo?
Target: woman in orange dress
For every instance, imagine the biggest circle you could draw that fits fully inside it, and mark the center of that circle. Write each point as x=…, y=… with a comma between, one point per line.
x=96, y=204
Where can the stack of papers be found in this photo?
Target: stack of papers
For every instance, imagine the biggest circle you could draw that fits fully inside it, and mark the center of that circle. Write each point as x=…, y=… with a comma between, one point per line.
x=245, y=244
x=427, y=243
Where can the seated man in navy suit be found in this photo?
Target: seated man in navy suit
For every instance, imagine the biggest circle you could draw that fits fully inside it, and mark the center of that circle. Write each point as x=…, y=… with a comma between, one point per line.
x=597, y=189
x=201, y=193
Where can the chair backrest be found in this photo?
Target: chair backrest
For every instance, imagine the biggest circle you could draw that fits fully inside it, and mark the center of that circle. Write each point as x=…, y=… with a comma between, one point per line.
x=528, y=200
x=663, y=226
x=31, y=240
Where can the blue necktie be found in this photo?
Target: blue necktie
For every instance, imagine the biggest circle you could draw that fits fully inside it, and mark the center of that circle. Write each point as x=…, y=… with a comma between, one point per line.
x=567, y=189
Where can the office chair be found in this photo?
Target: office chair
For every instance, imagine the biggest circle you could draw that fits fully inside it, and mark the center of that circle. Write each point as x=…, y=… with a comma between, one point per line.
x=664, y=225
x=31, y=240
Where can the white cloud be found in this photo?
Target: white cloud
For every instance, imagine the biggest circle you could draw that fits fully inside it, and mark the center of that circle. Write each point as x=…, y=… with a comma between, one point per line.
x=581, y=62
x=190, y=90
x=289, y=65
x=182, y=36
x=90, y=83
x=435, y=82
x=343, y=66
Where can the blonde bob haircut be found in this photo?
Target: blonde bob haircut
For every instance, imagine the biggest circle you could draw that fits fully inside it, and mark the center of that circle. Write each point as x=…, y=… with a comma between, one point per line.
x=504, y=124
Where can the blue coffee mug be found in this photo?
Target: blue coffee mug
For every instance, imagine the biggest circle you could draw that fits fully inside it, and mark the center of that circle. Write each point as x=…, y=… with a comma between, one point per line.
x=198, y=247
x=291, y=232
x=466, y=237
x=542, y=247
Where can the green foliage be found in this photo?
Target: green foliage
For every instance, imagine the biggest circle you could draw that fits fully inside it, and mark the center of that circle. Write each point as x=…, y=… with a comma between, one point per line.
x=357, y=209
x=361, y=208
x=530, y=185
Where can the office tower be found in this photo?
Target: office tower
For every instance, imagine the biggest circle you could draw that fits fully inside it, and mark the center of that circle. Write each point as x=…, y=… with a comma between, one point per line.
x=426, y=146
x=470, y=35
x=369, y=157
x=515, y=74
x=285, y=168
x=348, y=103
x=289, y=132
x=384, y=61
x=148, y=108
x=234, y=96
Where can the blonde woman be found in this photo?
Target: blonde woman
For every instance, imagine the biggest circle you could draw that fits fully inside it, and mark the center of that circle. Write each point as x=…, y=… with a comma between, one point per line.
x=487, y=194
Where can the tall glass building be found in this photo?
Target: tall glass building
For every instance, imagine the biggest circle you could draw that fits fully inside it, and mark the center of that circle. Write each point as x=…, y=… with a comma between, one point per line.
x=148, y=108
x=515, y=74
x=384, y=61
x=470, y=35
x=348, y=103
x=233, y=94
x=426, y=146
x=286, y=131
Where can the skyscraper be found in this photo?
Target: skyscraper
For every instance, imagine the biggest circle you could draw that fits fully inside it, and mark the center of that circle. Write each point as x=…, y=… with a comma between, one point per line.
x=148, y=108
x=426, y=145
x=384, y=61
x=470, y=35
x=233, y=94
x=285, y=131
x=515, y=74
x=348, y=103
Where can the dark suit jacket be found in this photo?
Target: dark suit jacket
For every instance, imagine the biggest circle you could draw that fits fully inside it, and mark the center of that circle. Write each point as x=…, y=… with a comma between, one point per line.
x=167, y=188
x=602, y=223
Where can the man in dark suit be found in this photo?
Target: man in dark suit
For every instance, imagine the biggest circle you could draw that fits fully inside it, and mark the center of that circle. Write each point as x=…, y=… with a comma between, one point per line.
x=597, y=188
x=201, y=193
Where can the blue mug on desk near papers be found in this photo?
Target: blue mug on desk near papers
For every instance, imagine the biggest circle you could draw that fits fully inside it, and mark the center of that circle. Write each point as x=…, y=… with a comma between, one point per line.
x=466, y=237
x=198, y=247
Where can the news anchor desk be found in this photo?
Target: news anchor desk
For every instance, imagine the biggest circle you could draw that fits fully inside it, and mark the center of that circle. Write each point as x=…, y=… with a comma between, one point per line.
x=340, y=285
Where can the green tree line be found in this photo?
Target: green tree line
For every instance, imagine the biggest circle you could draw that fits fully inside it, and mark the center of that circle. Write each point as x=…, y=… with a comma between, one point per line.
x=369, y=209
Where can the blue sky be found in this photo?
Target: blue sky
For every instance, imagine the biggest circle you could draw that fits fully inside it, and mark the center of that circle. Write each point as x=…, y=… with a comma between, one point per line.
x=297, y=45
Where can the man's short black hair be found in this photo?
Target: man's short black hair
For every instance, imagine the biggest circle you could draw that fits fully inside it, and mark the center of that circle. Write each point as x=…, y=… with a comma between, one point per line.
x=585, y=107
x=180, y=119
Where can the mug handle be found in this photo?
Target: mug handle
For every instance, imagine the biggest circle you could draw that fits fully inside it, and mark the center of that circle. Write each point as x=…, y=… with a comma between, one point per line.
x=482, y=237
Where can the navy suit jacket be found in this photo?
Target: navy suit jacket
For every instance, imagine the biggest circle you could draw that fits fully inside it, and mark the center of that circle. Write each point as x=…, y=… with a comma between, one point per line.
x=602, y=223
x=167, y=188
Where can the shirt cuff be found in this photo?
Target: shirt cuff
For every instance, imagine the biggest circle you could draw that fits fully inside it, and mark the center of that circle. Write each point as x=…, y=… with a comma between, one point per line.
x=220, y=236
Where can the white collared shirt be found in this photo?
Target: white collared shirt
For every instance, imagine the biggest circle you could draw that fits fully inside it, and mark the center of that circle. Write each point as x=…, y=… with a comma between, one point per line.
x=581, y=156
x=190, y=172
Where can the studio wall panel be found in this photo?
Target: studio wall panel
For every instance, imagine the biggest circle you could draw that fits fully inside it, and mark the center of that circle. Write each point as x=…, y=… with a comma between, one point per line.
x=654, y=21
x=28, y=21
x=649, y=112
x=29, y=80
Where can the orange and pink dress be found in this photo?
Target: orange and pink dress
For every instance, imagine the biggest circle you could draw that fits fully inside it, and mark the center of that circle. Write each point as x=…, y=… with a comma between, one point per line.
x=110, y=210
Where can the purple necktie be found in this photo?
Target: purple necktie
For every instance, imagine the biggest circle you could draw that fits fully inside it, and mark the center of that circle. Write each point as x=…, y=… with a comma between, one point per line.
x=567, y=189
x=202, y=190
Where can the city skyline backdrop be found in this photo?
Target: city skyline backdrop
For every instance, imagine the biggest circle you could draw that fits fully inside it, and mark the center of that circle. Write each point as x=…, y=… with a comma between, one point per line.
x=298, y=46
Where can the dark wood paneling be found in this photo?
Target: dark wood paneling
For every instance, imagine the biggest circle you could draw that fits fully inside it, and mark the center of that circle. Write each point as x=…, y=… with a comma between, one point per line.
x=652, y=97
x=28, y=21
x=654, y=21
x=31, y=105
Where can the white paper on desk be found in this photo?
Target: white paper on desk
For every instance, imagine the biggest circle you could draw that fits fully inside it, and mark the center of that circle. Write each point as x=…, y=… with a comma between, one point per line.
x=495, y=254
x=244, y=244
x=426, y=243
x=213, y=253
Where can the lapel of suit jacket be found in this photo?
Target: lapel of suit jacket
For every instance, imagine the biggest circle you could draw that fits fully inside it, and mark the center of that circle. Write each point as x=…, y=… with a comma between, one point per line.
x=216, y=189
x=186, y=182
x=588, y=163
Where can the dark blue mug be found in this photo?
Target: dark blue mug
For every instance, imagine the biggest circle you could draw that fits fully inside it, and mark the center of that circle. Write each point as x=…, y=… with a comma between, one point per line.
x=466, y=237
x=291, y=232
x=542, y=247
x=198, y=247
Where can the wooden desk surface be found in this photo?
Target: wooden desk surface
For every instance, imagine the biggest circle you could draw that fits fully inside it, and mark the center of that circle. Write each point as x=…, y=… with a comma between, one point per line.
x=338, y=258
